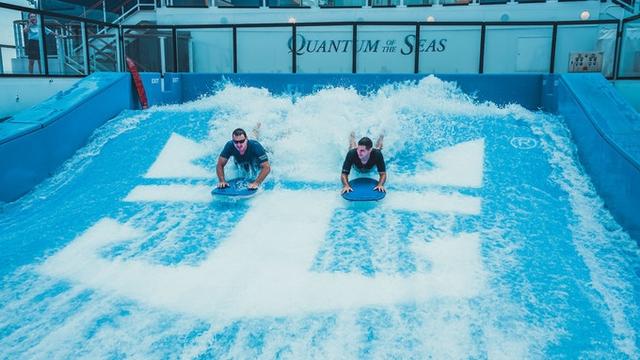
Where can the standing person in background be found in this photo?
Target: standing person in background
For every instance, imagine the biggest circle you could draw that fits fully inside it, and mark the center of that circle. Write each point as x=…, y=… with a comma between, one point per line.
x=32, y=40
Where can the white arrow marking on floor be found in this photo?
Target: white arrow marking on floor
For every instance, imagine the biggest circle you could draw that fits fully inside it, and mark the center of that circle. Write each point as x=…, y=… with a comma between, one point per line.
x=262, y=269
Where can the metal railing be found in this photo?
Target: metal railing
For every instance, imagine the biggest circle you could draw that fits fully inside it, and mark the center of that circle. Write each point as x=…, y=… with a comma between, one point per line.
x=170, y=39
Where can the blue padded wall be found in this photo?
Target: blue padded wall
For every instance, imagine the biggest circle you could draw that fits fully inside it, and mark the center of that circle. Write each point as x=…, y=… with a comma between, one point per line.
x=500, y=88
x=34, y=142
x=606, y=131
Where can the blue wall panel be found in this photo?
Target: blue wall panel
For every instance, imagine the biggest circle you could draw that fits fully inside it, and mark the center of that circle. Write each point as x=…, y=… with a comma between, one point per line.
x=606, y=132
x=35, y=142
x=502, y=89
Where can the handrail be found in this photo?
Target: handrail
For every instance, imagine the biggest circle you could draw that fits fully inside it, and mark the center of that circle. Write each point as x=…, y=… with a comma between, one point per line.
x=418, y=25
x=54, y=14
x=374, y=23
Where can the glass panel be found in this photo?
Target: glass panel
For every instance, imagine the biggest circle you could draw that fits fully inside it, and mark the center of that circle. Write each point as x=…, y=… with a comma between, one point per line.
x=585, y=38
x=454, y=2
x=385, y=2
x=341, y=3
x=205, y=50
x=12, y=58
x=324, y=49
x=264, y=50
x=238, y=3
x=419, y=2
x=188, y=3
x=148, y=48
x=630, y=52
x=103, y=48
x=384, y=49
x=65, y=48
x=448, y=49
x=510, y=49
x=68, y=7
x=287, y=3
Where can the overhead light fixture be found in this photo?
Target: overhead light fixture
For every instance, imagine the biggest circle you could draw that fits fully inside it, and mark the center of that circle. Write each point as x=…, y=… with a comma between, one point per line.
x=292, y=20
x=585, y=15
x=430, y=18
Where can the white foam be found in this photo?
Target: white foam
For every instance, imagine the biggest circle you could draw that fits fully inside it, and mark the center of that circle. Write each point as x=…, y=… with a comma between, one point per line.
x=459, y=165
x=170, y=193
x=262, y=269
x=614, y=294
x=176, y=160
x=307, y=138
x=453, y=203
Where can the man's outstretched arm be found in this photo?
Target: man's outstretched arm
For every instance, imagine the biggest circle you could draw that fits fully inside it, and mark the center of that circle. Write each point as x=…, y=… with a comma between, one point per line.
x=222, y=183
x=265, y=169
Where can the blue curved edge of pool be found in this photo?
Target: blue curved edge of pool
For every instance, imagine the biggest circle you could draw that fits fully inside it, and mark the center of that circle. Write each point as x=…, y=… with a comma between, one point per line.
x=604, y=126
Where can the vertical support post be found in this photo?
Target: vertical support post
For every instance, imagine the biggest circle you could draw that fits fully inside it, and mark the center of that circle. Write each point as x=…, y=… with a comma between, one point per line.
x=235, y=50
x=62, y=55
x=104, y=11
x=618, y=49
x=483, y=35
x=190, y=55
x=120, y=50
x=294, y=47
x=174, y=37
x=554, y=39
x=85, y=42
x=354, y=49
x=416, y=55
x=19, y=40
x=163, y=57
x=44, y=61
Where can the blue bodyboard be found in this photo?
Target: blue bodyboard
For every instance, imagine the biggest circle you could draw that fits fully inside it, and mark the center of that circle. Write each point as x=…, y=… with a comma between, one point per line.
x=363, y=190
x=237, y=188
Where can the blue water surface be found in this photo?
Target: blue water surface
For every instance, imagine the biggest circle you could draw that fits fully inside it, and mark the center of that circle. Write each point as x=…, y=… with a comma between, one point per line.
x=561, y=274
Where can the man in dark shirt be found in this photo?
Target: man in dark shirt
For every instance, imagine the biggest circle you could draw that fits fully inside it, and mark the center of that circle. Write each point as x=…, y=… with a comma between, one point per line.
x=364, y=156
x=249, y=156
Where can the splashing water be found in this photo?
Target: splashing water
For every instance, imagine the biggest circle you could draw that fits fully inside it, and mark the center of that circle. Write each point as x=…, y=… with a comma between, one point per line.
x=492, y=242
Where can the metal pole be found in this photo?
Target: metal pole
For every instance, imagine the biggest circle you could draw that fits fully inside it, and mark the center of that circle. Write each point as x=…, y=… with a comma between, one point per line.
x=416, y=55
x=294, y=48
x=483, y=35
x=554, y=39
x=104, y=11
x=618, y=49
x=18, y=39
x=235, y=49
x=354, y=49
x=62, y=56
x=163, y=66
x=120, y=49
x=190, y=55
x=174, y=38
x=43, y=48
x=85, y=41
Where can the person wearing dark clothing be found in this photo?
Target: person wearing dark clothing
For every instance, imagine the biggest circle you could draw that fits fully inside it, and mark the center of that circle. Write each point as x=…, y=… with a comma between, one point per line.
x=249, y=156
x=32, y=41
x=364, y=157
x=375, y=159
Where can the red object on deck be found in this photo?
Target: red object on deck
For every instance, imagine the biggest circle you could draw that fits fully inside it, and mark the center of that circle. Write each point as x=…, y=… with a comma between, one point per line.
x=142, y=95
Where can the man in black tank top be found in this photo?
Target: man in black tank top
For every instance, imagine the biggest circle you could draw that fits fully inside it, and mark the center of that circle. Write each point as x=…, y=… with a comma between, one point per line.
x=364, y=156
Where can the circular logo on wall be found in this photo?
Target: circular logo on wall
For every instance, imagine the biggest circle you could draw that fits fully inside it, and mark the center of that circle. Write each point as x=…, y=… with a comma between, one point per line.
x=524, y=143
